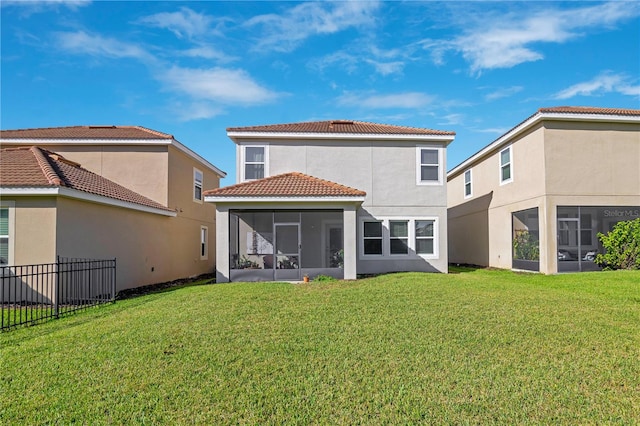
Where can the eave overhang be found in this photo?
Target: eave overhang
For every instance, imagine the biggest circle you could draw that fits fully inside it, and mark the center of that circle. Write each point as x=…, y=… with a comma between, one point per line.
x=138, y=142
x=539, y=117
x=80, y=195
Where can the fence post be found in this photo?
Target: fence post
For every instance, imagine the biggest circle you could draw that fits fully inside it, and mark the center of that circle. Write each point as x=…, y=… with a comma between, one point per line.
x=56, y=302
x=113, y=285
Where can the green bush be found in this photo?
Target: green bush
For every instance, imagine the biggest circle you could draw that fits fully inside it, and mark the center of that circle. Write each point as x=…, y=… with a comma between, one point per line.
x=324, y=278
x=621, y=246
x=526, y=245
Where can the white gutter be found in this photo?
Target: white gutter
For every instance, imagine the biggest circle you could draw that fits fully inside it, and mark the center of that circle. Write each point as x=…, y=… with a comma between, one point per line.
x=272, y=199
x=338, y=136
x=90, y=142
x=84, y=196
x=533, y=120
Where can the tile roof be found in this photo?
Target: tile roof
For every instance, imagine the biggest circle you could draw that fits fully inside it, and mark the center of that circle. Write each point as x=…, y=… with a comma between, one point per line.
x=37, y=167
x=340, y=127
x=589, y=110
x=85, y=132
x=287, y=185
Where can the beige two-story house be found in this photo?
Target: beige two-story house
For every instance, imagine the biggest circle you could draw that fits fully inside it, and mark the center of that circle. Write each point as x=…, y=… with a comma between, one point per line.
x=536, y=198
x=339, y=198
x=158, y=226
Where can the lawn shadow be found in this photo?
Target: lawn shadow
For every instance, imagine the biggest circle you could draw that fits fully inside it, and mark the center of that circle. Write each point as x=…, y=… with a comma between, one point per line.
x=168, y=286
x=463, y=268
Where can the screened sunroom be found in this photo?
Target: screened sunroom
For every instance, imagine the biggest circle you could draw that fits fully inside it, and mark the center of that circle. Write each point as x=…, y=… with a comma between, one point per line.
x=285, y=227
x=274, y=245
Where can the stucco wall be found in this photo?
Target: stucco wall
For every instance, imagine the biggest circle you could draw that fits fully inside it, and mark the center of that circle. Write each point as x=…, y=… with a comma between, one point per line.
x=143, y=169
x=558, y=163
x=592, y=158
x=34, y=237
x=385, y=170
x=149, y=248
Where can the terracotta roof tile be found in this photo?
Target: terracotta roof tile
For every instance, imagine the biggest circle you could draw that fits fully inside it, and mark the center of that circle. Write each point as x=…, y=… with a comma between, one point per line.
x=341, y=127
x=37, y=167
x=287, y=185
x=590, y=110
x=85, y=132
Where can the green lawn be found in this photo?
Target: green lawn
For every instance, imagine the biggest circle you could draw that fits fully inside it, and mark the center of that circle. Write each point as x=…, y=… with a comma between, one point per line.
x=465, y=348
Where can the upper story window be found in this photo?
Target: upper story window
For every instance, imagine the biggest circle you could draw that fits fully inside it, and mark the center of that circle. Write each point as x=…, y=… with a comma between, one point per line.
x=429, y=166
x=506, y=169
x=255, y=161
x=467, y=184
x=197, y=185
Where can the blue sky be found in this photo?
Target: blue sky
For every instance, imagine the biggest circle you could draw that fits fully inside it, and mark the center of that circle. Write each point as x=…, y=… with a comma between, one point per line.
x=192, y=69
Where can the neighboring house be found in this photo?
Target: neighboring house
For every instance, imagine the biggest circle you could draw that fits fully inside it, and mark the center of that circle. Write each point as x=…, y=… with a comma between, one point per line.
x=121, y=192
x=536, y=197
x=338, y=198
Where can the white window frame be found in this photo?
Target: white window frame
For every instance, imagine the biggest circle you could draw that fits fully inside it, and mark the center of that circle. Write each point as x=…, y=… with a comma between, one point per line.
x=419, y=165
x=406, y=239
x=509, y=164
x=198, y=185
x=469, y=183
x=204, y=242
x=10, y=205
x=243, y=160
x=363, y=238
x=386, y=238
x=434, y=238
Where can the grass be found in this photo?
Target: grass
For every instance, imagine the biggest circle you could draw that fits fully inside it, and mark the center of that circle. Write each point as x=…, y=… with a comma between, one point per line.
x=475, y=346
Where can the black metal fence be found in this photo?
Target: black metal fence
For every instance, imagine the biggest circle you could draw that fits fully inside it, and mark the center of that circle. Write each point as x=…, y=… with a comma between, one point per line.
x=34, y=293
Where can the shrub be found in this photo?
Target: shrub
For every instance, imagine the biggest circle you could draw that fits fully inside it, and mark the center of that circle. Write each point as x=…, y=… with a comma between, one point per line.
x=324, y=278
x=621, y=246
x=526, y=246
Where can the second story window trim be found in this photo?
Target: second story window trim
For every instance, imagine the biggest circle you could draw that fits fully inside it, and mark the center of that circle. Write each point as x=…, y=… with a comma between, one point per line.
x=198, y=179
x=255, y=162
x=468, y=186
x=429, y=165
x=505, y=158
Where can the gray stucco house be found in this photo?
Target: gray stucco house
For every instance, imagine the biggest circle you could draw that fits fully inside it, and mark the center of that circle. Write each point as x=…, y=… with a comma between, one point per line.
x=339, y=198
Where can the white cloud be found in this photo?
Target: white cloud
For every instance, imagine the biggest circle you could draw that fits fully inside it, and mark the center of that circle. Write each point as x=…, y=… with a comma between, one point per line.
x=396, y=100
x=348, y=63
x=206, y=52
x=220, y=85
x=452, y=119
x=386, y=68
x=96, y=45
x=606, y=82
x=207, y=90
x=40, y=5
x=196, y=111
x=504, y=92
x=185, y=23
x=494, y=130
x=506, y=40
x=287, y=31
